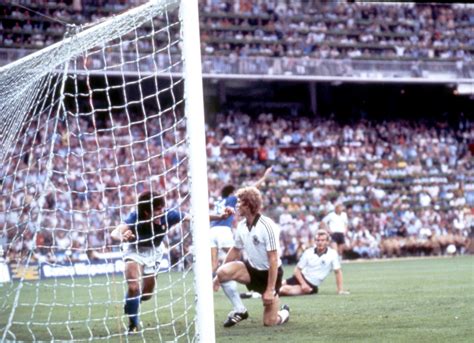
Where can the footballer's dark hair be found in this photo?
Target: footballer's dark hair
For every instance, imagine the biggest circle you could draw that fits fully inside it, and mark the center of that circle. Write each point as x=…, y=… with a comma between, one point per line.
x=147, y=201
x=227, y=190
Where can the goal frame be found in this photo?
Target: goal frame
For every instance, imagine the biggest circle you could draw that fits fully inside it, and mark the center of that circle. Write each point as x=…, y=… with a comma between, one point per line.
x=195, y=132
x=194, y=112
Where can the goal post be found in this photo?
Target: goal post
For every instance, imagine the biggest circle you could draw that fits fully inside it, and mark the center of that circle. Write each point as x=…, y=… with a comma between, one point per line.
x=86, y=125
x=195, y=108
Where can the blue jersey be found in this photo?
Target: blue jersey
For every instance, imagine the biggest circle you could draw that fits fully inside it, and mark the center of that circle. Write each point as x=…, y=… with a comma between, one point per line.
x=230, y=201
x=149, y=234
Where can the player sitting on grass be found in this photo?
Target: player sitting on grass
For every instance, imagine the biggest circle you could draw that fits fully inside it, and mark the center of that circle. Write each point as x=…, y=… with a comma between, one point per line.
x=313, y=267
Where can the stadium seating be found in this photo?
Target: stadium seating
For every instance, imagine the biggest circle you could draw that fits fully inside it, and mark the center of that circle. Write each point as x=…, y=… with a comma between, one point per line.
x=380, y=183
x=416, y=190
x=326, y=30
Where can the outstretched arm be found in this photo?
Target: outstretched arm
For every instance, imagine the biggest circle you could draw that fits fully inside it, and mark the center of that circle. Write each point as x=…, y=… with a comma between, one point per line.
x=340, y=288
x=228, y=211
x=263, y=178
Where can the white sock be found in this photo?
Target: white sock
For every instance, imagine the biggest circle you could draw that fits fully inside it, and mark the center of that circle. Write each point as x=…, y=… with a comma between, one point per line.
x=230, y=290
x=283, y=314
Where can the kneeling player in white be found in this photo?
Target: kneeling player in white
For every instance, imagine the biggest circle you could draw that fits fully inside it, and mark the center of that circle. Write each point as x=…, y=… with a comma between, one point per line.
x=143, y=232
x=222, y=238
x=313, y=267
x=259, y=237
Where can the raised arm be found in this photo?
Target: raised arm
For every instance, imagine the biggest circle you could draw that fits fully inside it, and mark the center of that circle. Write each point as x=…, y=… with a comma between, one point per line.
x=263, y=178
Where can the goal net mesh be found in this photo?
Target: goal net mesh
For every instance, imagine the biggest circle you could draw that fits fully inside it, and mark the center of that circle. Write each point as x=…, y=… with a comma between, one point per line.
x=86, y=125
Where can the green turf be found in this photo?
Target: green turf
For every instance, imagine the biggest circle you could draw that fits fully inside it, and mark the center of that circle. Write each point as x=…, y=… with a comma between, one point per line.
x=423, y=300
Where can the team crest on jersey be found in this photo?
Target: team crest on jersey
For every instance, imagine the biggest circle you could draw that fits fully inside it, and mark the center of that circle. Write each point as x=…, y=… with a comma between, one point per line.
x=255, y=240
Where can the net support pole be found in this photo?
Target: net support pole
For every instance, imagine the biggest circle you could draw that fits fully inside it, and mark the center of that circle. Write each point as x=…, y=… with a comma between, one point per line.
x=194, y=110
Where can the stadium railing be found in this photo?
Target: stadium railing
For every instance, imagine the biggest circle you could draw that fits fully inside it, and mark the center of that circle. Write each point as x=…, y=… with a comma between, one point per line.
x=287, y=67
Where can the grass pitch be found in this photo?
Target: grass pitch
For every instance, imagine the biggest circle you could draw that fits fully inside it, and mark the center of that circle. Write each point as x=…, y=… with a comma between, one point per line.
x=421, y=300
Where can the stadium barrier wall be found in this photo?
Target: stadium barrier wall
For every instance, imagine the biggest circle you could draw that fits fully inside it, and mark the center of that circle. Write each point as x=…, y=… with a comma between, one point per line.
x=13, y=272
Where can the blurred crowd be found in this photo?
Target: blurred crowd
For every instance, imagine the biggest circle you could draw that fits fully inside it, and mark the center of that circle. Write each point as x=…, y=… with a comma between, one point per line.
x=334, y=29
x=276, y=28
x=66, y=187
x=407, y=186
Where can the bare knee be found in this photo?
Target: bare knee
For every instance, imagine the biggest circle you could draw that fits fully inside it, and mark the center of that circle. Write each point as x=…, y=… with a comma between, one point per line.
x=270, y=321
x=267, y=322
x=148, y=287
x=147, y=293
x=146, y=297
x=223, y=275
x=133, y=288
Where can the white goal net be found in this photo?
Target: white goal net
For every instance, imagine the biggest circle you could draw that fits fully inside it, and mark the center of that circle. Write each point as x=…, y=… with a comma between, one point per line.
x=86, y=126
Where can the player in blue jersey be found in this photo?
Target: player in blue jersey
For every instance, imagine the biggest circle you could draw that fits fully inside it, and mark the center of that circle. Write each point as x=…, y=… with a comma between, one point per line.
x=221, y=230
x=143, y=232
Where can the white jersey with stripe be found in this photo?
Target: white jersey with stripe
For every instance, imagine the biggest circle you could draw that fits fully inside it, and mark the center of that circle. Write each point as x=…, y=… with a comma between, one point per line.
x=262, y=236
x=316, y=268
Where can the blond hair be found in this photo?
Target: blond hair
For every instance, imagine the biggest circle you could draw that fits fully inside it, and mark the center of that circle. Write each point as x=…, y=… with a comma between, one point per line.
x=251, y=197
x=324, y=233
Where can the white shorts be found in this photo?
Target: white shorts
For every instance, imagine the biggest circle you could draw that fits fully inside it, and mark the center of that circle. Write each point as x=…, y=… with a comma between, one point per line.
x=148, y=257
x=221, y=237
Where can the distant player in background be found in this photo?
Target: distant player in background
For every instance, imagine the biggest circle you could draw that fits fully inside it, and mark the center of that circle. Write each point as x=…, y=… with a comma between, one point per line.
x=336, y=223
x=143, y=232
x=313, y=267
x=259, y=237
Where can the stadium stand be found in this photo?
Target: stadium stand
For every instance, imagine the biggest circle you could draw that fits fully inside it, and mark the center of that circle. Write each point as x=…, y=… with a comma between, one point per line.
x=278, y=37
x=407, y=198
x=256, y=28
x=395, y=178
